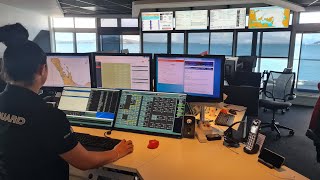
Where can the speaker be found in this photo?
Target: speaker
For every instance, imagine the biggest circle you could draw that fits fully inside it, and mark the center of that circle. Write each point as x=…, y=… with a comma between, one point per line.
x=189, y=125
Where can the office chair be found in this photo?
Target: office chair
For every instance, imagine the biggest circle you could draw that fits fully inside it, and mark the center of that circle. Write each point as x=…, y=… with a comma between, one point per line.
x=314, y=128
x=279, y=88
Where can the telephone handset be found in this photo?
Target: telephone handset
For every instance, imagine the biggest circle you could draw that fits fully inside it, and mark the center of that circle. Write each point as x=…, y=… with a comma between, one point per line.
x=251, y=146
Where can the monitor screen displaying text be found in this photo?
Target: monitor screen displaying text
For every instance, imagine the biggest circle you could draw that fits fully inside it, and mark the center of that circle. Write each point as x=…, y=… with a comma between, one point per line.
x=123, y=72
x=193, y=76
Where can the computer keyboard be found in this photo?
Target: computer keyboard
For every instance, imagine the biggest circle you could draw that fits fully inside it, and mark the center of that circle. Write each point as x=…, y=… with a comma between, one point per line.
x=96, y=143
x=224, y=119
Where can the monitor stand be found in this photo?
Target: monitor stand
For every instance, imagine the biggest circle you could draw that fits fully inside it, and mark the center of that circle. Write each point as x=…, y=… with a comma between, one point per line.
x=204, y=128
x=200, y=108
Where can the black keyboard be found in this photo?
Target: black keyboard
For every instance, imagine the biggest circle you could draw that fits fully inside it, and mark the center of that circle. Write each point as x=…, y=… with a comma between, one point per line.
x=96, y=143
x=224, y=119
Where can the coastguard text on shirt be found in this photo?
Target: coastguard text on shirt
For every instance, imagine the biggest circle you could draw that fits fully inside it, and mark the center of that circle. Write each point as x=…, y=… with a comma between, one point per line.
x=12, y=118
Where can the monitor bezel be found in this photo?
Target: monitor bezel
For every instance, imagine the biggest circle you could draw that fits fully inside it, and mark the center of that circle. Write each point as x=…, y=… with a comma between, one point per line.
x=60, y=88
x=149, y=132
x=191, y=98
x=151, y=76
x=96, y=126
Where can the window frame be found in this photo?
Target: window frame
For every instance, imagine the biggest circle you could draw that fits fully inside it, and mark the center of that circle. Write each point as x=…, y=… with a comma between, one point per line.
x=299, y=63
x=74, y=31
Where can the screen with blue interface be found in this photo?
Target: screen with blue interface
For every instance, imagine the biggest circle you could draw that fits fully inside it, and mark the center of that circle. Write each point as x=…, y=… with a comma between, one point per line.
x=159, y=113
x=195, y=76
x=90, y=107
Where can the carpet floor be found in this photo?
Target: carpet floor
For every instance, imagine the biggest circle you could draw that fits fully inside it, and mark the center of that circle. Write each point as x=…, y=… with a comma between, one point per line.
x=298, y=150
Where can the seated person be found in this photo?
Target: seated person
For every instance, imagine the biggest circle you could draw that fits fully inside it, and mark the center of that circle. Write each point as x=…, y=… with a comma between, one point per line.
x=36, y=141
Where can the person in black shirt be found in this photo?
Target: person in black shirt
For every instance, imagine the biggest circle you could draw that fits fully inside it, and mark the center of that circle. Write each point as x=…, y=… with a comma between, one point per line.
x=36, y=141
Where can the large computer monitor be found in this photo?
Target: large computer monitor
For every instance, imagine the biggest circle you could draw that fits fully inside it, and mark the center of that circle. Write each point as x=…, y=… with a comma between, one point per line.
x=201, y=77
x=68, y=69
x=123, y=71
x=151, y=113
x=90, y=107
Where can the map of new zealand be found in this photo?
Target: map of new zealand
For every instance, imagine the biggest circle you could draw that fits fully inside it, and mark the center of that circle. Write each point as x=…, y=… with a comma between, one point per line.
x=269, y=17
x=68, y=71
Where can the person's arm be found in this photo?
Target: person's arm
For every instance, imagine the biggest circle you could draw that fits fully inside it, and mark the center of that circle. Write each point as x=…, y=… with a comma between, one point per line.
x=82, y=159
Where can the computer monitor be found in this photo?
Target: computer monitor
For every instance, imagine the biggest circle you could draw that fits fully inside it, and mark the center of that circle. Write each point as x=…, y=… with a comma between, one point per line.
x=151, y=113
x=90, y=107
x=230, y=67
x=123, y=71
x=246, y=63
x=201, y=77
x=68, y=69
x=246, y=79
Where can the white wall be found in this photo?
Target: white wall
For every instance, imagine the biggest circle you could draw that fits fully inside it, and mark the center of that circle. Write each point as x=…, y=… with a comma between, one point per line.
x=33, y=21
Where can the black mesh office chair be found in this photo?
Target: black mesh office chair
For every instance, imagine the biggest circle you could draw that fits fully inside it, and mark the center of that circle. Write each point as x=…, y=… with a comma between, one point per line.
x=279, y=89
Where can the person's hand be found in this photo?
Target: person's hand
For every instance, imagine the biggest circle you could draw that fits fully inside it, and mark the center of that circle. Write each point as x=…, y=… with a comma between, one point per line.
x=123, y=148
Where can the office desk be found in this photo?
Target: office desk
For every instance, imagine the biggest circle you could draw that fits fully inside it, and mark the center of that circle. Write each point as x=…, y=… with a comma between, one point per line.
x=188, y=159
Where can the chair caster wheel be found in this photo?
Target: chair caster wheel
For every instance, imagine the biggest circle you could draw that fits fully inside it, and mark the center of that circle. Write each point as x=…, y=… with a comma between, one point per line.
x=265, y=110
x=278, y=137
x=288, y=109
x=283, y=111
x=291, y=133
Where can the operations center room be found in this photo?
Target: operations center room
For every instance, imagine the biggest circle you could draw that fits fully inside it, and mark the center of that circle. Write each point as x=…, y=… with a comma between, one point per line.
x=203, y=89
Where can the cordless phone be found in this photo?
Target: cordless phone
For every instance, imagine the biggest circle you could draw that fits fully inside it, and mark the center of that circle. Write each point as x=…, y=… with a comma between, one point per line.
x=251, y=146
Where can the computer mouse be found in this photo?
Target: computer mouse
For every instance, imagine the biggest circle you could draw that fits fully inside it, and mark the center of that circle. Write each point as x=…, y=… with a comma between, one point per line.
x=153, y=144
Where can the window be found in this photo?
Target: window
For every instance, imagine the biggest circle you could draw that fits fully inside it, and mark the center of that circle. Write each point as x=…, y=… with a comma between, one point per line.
x=258, y=44
x=309, y=17
x=275, y=44
x=86, y=42
x=72, y=34
x=155, y=43
x=63, y=23
x=297, y=49
x=198, y=43
x=129, y=22
x=177, y=43
x=109, y=22
x=244, y=44
x=309, y=74
x=221, y=43
x=64, y=42
x=257, y=69
x=273, y=64
x=85, y=22
x=131, y=42
x=274, y=51
x=110, y=43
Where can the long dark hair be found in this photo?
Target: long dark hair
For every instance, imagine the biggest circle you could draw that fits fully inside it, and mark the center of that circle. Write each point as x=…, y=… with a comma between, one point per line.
x=22, y=57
